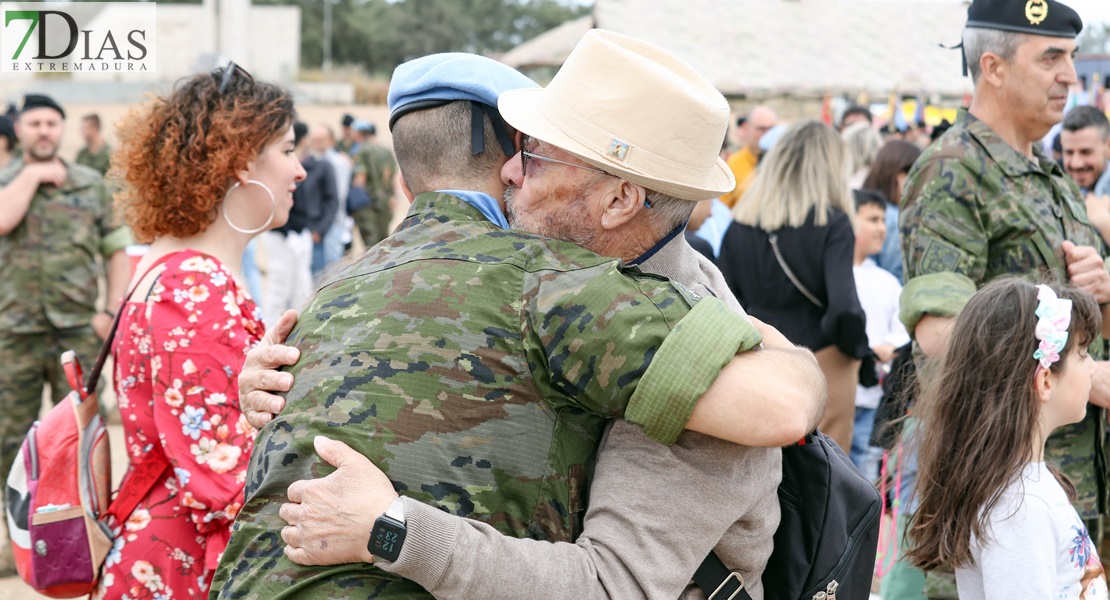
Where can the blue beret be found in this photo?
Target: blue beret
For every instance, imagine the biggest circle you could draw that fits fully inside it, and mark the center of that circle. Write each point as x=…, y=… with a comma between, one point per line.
x=437, y=79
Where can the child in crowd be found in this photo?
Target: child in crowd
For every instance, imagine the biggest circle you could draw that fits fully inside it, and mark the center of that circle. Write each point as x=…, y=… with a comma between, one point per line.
x=878, y=292
x=1016, y=367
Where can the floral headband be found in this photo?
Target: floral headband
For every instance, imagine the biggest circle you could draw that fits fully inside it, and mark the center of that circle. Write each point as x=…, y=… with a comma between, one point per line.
x=1053, y=319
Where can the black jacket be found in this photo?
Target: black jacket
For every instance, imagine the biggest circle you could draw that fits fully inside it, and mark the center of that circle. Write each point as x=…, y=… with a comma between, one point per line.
x=821, y=258
x=315, y=201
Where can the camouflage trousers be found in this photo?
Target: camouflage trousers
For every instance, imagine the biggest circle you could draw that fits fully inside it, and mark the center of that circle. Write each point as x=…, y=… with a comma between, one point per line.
x=373, y=222
x=28, y=361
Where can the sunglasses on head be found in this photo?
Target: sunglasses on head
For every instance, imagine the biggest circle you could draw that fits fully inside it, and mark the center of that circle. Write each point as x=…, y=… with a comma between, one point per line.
x=230, y=71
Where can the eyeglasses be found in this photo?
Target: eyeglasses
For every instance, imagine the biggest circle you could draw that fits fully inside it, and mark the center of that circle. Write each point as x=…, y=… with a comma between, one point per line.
x=230, y=70
x=525, y=155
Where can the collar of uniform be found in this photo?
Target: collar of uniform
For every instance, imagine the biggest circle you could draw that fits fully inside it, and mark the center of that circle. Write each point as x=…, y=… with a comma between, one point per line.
x=1011, y=161
x=486, y=204
x=444, y=205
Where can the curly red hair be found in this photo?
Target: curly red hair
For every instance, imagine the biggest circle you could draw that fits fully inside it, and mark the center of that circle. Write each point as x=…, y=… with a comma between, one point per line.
x=178, y=155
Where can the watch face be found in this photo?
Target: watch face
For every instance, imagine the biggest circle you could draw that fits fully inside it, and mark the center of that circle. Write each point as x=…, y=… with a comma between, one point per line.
x=386, y=538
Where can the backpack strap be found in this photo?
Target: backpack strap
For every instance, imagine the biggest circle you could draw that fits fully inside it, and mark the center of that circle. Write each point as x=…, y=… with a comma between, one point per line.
x=106, y=348
x=719, y=583
x=144, y=476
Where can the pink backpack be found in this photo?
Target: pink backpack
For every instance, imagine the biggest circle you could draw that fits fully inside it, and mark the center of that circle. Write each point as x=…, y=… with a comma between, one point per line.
x=57, y=502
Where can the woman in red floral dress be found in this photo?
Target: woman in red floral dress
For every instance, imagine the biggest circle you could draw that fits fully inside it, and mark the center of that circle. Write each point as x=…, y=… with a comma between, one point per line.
x=205, y=170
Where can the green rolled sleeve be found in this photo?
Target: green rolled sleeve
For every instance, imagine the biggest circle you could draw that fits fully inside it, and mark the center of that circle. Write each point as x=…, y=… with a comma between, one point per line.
x=116, y=240
x=688, y=362
x=938, y=294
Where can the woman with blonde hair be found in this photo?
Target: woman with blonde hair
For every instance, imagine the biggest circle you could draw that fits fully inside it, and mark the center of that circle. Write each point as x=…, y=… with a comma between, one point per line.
x=205, y=169
x=788, y=258
x=863, y=146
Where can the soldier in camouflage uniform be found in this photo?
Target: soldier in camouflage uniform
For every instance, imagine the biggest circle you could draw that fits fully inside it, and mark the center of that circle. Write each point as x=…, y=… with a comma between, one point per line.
x=623, y=534
x=476, y=366
x=374, y=169
x=55, y=223
x=983, y=201
x=96, y=154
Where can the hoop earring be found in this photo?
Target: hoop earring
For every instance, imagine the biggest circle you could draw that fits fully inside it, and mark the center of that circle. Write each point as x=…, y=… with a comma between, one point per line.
x=273, y=209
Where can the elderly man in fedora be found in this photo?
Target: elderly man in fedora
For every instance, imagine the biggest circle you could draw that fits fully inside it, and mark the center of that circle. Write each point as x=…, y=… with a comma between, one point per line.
x=644, y=534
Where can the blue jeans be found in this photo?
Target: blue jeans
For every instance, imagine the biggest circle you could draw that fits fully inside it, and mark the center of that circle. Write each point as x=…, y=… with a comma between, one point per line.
x=329, y=250
x=863, y=455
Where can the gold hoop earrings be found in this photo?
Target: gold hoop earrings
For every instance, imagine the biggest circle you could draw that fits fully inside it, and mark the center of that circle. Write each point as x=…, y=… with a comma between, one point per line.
x=273, y=209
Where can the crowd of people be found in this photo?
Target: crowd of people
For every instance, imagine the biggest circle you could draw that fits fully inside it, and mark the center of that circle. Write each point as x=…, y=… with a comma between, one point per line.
x=570, y=370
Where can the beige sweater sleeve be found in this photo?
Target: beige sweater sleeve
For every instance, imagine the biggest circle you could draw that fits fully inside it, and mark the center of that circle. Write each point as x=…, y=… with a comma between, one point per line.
x=655, y=512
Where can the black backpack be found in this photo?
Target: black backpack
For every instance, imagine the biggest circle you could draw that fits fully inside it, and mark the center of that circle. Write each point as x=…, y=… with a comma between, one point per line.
x=826, y=541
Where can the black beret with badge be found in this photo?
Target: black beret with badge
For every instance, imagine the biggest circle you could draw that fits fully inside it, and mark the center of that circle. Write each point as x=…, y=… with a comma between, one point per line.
x=33, y=101
x=1038, y=17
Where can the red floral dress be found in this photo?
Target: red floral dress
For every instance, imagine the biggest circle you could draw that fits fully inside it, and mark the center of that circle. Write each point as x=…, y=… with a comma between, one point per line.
x=178, y=353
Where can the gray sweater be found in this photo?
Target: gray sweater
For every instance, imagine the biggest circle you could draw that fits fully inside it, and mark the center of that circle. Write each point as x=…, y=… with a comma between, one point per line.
x=655, y=511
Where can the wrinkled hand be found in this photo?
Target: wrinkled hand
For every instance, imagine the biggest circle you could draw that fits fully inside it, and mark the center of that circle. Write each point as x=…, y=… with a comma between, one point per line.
x=1087, y=271
x=259, y=380
x=1098, y=209
x=329, y=519
x=101, y=323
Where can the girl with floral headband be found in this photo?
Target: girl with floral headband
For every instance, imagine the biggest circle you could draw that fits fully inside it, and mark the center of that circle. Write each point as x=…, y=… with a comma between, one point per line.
x=1016, y=368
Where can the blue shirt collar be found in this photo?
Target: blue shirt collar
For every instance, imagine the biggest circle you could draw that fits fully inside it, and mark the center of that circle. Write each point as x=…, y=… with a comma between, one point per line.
x=658, y=245
x=485, y=204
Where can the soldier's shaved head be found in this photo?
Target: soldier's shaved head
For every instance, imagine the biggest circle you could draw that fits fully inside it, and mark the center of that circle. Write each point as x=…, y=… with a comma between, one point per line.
x=434, y=152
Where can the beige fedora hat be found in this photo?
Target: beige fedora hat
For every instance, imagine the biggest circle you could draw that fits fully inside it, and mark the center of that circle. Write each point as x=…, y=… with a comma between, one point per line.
x=634, y=110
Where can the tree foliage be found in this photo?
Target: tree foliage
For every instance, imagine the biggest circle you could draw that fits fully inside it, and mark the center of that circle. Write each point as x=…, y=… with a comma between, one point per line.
x=380, y=34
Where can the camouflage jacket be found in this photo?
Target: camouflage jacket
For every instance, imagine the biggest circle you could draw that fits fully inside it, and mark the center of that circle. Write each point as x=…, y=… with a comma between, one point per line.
x=377, y=163
x=974, y=209
x=477, y=367
x=49, y=275
x=98, y=161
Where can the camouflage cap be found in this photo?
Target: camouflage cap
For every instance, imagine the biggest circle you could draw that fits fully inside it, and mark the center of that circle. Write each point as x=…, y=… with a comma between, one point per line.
x=1038, y=17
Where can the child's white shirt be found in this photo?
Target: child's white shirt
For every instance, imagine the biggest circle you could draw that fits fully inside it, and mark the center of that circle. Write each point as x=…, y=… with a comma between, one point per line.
x=1037, y=548
x=878, y=292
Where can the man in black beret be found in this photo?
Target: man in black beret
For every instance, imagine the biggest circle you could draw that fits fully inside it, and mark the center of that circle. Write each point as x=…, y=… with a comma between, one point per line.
x=58, y=240
x=984, y=201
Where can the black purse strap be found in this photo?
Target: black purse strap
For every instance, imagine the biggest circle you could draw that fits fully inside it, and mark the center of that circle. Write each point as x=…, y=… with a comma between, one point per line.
x=718, y=583
x=774, y=239
x=106, y=348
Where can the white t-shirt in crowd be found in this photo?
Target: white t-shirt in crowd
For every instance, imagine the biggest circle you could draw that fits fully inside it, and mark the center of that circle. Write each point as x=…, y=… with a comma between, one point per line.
x=1038, y=547
x=878, y=292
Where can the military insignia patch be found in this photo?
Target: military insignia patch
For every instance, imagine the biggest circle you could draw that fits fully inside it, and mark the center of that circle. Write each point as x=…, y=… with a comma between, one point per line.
x=939, y=257
x=1036, y=11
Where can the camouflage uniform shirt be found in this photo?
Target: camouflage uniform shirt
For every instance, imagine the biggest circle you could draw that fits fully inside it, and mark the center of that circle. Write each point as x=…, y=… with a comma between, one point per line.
x=48, y=264
x=974, y=209
x=98, y=161
x=477, y=367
